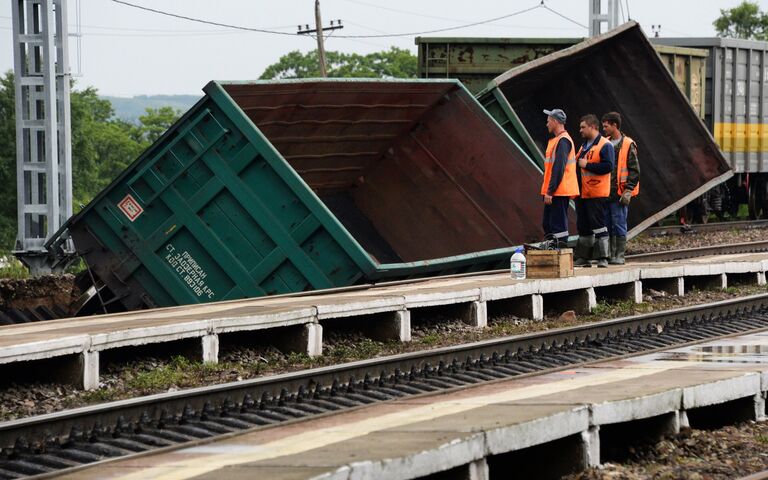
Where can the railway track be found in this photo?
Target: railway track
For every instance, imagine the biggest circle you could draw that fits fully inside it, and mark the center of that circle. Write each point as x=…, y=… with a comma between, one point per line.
x=705, y=227
x=695, y=252
x=50, y=443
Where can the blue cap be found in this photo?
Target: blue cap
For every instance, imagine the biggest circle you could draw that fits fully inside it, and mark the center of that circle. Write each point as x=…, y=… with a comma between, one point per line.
x=557, y=114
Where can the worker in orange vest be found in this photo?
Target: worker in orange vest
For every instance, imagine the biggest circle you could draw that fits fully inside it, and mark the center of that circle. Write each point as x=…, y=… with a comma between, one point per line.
x=560, y=183
x=625, y=184
x=595, y=160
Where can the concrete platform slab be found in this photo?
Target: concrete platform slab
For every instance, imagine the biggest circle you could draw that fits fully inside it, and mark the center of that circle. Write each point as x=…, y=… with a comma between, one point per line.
x=418, y=436
x=99, y=333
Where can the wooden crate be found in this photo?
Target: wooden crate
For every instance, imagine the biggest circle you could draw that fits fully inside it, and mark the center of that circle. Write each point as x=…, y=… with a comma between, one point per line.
x=549, y=263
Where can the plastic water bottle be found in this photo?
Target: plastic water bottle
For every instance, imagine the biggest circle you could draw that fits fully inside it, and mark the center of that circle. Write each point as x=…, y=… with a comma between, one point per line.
x=517, y=265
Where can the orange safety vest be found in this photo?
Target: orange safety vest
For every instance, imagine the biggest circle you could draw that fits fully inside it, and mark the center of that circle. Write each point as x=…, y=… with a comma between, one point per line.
x=569, y=185
x=594, y=185
x=622, y=172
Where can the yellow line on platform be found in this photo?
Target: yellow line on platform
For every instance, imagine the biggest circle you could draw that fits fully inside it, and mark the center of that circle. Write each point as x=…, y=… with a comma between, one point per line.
x=303, y=442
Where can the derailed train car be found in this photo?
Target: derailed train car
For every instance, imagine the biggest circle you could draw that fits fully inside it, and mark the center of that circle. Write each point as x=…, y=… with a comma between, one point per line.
x=277, y=187
x=619, y=70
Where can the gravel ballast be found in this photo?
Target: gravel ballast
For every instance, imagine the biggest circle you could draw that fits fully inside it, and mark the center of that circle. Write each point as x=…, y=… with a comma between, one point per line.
x=648, y=244
x=727, y=453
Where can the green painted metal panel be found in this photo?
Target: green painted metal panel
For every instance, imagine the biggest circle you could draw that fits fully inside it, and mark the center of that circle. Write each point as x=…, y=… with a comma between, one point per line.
x=476, y=61
x=497, y=106
x=276, y=187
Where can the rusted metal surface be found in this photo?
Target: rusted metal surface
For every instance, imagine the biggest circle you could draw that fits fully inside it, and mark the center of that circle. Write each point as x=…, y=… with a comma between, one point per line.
x=689, y=68
x=475, y=61
x=621, y=71
x=416, y=169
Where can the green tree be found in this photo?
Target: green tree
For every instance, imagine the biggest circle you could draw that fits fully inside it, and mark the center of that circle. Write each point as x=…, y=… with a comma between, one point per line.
x=392, y=63
x=155, y=122
x=743, y=21
x=102, y=147
x=7, y=162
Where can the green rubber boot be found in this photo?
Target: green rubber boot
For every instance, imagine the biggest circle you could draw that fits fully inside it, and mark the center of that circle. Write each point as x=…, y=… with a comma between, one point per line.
x=583, y=251
x=621, y=247
x=602, y=251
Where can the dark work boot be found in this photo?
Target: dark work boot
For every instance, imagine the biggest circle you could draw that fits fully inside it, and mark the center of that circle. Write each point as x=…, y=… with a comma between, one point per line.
x=612, y=256
x=621, y=247
x=583, y=251
x=602, y=251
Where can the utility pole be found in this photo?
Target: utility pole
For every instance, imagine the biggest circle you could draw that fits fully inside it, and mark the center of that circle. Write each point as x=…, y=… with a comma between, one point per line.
x=597, y=17
x=43, y=130
x=319, y=30
x=320, y=46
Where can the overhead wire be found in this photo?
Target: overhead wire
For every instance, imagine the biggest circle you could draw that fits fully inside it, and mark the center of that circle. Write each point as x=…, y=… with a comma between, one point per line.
x=155, y=32
x=547, y=7
x=273, y=31
x=384, y=35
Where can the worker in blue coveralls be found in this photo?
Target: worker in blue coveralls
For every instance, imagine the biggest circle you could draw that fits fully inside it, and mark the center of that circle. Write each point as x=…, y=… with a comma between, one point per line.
x=595, y=161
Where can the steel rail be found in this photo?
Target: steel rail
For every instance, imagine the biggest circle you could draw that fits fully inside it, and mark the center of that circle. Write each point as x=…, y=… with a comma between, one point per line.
x=705, y=227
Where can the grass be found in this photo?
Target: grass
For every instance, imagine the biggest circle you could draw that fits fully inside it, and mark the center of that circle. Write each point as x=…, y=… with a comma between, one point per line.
x=430, y=339
x=623, y=308
x=364, y=348
x=13, y=268
x=180, y=371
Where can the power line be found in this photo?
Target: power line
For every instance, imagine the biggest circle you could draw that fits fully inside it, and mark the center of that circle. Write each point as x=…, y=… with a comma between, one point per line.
x=386, y=35
x=446, y=29
x=199, y=20
x=159, y=32
x=546, y=7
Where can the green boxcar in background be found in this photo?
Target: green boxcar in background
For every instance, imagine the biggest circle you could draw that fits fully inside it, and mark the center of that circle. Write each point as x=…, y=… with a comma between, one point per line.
x=476, y=60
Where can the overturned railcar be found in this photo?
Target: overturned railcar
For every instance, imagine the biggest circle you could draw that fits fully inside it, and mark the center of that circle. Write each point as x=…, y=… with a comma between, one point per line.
x=620, y=71
x=277, y=187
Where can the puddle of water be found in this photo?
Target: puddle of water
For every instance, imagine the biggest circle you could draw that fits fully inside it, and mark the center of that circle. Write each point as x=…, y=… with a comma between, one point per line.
x=721, y=354
x=733, y=349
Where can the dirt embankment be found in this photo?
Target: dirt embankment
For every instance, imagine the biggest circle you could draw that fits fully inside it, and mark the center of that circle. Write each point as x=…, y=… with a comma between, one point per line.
x=30, y=293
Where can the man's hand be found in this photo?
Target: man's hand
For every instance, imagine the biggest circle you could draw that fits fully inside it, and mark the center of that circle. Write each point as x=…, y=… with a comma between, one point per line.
x=548, y=199
x=582, y=162
x=626, y=197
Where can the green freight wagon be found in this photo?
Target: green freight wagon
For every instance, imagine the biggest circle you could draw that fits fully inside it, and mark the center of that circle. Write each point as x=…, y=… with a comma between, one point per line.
x=277, y=187
x=476, y=61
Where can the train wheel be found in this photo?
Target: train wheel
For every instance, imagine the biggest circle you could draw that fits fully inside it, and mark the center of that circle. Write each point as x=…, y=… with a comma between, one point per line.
x=696, y=211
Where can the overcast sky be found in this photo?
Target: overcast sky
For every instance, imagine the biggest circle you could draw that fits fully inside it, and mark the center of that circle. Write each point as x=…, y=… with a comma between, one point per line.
x=126, y=51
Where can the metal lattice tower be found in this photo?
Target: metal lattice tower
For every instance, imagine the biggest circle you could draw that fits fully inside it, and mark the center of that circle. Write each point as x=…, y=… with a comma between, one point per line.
x=597, y=17
x=43, y=130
